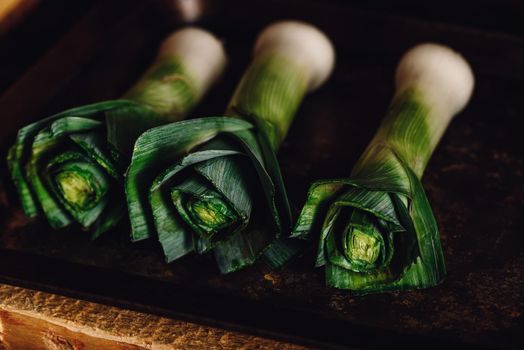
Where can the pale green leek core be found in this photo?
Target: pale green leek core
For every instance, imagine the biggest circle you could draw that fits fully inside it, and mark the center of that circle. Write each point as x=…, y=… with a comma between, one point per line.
x=210, y=212
x=207, y=212
x=362, y=248
x=76, y=189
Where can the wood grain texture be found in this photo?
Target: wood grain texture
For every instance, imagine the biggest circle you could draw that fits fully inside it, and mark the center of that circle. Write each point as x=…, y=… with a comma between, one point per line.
x=36, y=320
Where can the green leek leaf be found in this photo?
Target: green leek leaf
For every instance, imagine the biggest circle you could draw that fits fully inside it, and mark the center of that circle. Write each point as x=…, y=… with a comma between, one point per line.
x=214, y=184
x=376, y=229
x=63, y=167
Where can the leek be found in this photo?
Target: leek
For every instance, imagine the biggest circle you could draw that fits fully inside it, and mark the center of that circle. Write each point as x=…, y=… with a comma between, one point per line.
x=213, y=184
x=69, y=167
x=376, y=229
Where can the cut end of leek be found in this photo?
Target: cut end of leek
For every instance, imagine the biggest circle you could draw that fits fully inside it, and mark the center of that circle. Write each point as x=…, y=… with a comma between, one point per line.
x=76, y=190
x=202, y=53
x=211, y=212
x=207, y=214
x=440, y=73
x=303, y=43
x=363, y=247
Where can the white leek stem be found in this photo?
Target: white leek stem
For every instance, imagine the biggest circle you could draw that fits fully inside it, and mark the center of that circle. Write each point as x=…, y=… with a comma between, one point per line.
x=202, y=54
x=442, y=77
x=302, y=43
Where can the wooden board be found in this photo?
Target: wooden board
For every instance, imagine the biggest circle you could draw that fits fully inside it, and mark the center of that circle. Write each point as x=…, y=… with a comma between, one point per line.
x=32, y=320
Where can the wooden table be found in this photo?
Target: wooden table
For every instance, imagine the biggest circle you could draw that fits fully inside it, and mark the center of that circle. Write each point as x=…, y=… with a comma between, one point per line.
x=36, y=320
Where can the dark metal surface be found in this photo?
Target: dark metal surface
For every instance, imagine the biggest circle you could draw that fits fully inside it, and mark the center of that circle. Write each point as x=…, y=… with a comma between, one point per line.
x=474, y=182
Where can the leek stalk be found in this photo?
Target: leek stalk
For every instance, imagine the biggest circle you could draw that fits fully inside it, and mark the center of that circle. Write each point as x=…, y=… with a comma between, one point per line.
x=376, y=229
x=200, y=184
x=70, y=166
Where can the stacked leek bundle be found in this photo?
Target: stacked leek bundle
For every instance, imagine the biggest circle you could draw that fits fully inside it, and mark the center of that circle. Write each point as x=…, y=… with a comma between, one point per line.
x=213, y=184
x=70, y=166
x=377, y=231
